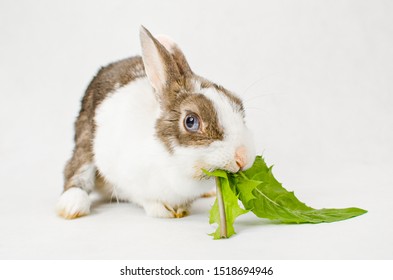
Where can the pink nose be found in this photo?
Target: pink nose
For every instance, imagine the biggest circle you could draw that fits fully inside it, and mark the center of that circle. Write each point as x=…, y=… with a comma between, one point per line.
x=240, y=157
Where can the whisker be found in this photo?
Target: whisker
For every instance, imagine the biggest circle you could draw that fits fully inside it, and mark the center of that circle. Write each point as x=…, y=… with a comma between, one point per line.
x=264, y=95
x=252, y=85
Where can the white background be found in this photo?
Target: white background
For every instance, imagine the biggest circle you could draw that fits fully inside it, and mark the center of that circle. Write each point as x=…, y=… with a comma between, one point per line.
x=316, y=79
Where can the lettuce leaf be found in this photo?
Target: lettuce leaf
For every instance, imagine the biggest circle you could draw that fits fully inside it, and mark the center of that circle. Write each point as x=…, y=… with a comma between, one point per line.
x=262, y=194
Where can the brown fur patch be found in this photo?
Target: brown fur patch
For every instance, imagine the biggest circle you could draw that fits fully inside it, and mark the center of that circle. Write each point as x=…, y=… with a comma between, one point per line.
x=183, y=97
x=170, y=129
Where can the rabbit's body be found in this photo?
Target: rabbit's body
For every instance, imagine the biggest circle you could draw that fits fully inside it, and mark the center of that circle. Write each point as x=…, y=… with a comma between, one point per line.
x=135, y=161
x=146, y=130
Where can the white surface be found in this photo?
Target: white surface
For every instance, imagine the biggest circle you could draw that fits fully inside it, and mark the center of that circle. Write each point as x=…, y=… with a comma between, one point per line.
x=316, y=78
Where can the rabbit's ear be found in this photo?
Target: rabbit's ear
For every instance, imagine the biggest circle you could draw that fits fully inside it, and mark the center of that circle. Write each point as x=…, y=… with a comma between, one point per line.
x=176, y=53
x=160, y=67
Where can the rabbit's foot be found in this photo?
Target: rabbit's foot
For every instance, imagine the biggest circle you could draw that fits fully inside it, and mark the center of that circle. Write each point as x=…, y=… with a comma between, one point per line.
x=73, y=203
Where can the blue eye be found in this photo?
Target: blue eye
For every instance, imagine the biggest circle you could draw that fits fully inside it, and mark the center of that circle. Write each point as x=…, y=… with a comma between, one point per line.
x=191, y=123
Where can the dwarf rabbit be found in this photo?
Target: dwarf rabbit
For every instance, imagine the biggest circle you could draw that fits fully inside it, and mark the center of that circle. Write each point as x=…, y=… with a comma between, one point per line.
x=147, y=127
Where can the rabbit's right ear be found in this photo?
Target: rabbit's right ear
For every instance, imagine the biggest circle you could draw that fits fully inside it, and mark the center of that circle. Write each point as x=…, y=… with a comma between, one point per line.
x=160, y=67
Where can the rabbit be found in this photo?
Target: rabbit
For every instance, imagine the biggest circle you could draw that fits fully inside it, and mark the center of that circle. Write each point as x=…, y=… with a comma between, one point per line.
x=147, y=127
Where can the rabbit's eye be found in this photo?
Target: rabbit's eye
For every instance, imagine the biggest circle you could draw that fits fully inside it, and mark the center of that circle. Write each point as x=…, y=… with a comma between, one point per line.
x=191, y=123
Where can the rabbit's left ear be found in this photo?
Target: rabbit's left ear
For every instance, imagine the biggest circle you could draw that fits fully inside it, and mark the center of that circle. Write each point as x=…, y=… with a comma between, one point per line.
x=177, y=54
x=160, y=66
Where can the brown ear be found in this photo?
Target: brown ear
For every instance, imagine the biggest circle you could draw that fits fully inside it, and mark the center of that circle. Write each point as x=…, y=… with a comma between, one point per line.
x=177, y=54
x=160, y=66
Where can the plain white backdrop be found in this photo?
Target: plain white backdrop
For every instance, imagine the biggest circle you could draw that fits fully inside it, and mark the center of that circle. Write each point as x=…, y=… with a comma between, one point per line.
x=315, y=76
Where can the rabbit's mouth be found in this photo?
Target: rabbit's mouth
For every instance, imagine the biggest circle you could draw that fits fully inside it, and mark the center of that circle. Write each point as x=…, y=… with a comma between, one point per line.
x=199, y=173
x=232, y=167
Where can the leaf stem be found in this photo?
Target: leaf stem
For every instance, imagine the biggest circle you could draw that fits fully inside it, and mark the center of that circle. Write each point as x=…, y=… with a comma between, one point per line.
x=221, y=210
x=242, y=174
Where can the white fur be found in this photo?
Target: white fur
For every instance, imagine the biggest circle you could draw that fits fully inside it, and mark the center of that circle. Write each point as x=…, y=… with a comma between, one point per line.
x=73, y=203
x=136, y=163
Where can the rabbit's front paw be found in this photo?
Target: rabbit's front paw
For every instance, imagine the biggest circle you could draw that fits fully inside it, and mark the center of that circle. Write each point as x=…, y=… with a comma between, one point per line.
x=178, y=212
x=160, y=210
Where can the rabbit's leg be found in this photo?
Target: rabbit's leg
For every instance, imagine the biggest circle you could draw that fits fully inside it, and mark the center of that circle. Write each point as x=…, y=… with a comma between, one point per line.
x=80, y=173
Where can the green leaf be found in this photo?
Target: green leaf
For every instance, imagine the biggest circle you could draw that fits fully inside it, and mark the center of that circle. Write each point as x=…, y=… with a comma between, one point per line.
x=261, y=193
x=230, y=203
x=274, y=202
x=245, y=190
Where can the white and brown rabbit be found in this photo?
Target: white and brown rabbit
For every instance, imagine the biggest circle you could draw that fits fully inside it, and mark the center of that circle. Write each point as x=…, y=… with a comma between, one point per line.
x=147, y=127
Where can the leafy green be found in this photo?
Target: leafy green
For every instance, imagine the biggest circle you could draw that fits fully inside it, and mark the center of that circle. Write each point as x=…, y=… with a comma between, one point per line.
x=230, y=205
x=262, y=194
